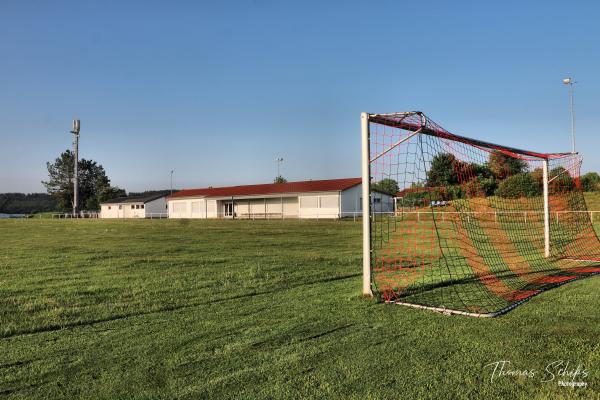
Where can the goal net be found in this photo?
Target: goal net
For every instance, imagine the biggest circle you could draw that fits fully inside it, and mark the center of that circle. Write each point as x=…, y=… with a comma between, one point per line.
x=475, y=228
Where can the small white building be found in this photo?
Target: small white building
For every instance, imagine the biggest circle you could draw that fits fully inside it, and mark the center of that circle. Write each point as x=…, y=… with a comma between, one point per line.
x=332, y=198
x=150, y=206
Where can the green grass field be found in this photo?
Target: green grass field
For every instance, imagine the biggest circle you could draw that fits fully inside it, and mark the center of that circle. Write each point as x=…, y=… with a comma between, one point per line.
x=256, y=309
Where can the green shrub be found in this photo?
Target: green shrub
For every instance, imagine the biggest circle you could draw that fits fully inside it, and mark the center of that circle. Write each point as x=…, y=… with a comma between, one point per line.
x=519, y=185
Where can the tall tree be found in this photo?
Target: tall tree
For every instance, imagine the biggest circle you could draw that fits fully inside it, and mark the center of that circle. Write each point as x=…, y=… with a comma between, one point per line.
x=94, y=185
x=279, y=179
x=443, y=170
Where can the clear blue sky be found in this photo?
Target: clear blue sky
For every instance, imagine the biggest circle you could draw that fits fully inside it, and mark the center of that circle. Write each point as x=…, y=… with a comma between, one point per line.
x=216, y=90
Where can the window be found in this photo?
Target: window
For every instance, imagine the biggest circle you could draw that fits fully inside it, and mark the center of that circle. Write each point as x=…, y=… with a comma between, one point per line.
x=329, y=201
x=120, y=206
x=132, y=207
x=137, y=206
x=109, y=207
x=166, y=206
x=377, y=200
x=142, y=206
x=179, y=207
x=309, y=202
x=195, y=207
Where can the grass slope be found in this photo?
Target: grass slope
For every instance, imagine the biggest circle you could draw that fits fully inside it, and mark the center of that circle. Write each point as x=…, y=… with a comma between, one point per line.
x=254, y=309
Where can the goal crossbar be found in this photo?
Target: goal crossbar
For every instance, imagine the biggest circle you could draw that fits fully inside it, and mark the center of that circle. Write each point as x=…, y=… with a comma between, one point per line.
x=427, y=127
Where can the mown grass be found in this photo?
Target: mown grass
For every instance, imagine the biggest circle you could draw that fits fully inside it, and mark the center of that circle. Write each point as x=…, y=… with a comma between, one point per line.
x=592, y=200
x=254, y=309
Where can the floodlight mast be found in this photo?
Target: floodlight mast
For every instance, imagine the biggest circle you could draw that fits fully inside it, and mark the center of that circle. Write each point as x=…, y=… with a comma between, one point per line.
x=279, y=160
x=571, y=82
x=75, y=132
x=172, y=181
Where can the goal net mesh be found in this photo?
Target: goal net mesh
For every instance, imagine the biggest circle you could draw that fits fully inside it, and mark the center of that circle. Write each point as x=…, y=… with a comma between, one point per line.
x=466, y=231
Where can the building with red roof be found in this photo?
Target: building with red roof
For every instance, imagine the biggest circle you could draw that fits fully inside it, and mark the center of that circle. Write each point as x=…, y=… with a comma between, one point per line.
x=330, y=198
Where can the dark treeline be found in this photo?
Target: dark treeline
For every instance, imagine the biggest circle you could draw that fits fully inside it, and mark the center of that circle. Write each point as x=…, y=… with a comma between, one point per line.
x=22, y=203
x=31, y=203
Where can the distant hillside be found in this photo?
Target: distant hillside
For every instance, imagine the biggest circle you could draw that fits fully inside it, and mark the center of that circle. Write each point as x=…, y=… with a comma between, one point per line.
x=21, y=203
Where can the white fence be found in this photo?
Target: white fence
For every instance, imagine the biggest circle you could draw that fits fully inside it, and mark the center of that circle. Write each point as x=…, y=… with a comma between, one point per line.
x=419, y=215
x=78, y=215
x=157, y=215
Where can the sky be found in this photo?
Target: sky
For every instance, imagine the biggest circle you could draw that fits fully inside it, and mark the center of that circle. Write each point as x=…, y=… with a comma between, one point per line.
x=216, y=90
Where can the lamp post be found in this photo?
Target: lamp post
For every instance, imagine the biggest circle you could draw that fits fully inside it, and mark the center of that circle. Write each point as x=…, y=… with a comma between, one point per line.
x=570, y=82
x=172, y=182
x=279, y=160
x=75, y=132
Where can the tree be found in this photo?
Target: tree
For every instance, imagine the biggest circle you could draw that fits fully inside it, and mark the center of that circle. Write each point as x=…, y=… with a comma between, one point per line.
x=590, y=182
x=94, y=185
x=386, y=185
x=279, y=179
x=503, y=166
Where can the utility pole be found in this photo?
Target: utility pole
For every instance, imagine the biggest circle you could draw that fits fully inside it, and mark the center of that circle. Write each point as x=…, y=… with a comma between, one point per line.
x=75, y=133
x=571, y=82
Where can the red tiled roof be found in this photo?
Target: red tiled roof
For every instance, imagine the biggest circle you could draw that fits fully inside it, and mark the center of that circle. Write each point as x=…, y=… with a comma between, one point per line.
x=327, y=185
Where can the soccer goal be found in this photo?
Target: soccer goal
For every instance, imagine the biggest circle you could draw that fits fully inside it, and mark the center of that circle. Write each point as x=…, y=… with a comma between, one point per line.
x=476, y=228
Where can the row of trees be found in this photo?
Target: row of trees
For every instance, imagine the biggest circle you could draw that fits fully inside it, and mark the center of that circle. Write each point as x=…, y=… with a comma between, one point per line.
x=22, y=203
x=501, y=175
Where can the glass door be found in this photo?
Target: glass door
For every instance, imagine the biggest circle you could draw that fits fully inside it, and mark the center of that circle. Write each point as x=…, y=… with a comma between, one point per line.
x=229, y=209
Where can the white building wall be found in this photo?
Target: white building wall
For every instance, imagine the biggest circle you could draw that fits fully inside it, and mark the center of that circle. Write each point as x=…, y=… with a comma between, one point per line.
x=156, y=208
x=211, y=209
x=352, y=202
x=109, y=211
x=290, y=207
x=319, y=205
x=265, y=207
x=192, y=208
x=180, y=208
x=123, y=210
x=134, y=210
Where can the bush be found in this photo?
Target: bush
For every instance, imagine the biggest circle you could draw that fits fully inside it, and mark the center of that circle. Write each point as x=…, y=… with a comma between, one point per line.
x=519, y=185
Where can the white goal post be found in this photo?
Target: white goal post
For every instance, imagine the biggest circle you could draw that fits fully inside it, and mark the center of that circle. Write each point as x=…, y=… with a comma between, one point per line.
x=366, y=204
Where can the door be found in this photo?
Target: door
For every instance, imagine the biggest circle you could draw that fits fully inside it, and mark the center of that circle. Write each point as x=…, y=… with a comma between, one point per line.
x=229, y=209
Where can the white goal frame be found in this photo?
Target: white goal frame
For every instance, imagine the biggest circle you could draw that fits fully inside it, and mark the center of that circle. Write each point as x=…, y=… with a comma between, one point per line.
x=366, y=197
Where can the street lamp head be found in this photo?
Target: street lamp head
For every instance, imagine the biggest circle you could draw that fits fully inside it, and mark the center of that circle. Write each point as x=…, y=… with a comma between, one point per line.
x=568, y=81
x=279, y=159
